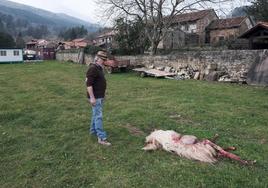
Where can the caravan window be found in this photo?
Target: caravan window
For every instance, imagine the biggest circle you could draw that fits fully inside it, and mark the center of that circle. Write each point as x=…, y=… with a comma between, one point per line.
x=3, y=53
x=16, y=52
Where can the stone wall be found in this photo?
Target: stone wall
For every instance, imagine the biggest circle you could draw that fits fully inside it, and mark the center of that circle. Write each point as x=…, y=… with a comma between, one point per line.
x=225, y=60
x=74, y=55
x=234, y=63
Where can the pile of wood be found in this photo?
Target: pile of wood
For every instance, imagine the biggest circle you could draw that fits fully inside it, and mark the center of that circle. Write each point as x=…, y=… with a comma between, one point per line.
x=209, y=73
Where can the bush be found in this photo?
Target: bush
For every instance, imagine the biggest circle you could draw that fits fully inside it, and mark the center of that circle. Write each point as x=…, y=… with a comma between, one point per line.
x=92, y=50
x=6, y=40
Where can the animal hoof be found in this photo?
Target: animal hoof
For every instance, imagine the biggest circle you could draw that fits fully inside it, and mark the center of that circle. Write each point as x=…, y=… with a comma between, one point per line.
x=250, y=162
x=233, y=148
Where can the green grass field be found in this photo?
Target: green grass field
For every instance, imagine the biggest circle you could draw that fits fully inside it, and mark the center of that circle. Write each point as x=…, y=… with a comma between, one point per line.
x=44, y=139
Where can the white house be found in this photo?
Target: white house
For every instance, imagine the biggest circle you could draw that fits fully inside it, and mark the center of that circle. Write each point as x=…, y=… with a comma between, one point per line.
x=11, y=55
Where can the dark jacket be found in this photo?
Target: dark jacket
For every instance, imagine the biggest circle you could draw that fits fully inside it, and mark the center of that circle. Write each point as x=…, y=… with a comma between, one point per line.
x=96, y=79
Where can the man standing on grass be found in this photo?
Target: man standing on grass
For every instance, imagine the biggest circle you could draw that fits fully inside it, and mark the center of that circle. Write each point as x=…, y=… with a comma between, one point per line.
x=96, y=86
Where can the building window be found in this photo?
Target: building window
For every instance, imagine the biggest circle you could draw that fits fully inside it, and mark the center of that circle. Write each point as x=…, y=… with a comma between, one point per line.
x=3, y=53
x=193, y=28
x=186, y=27
x=16, y=52
x=231, y=37
x=221, y=38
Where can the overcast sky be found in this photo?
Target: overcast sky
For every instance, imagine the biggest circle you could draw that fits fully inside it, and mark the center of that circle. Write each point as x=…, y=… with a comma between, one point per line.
x=87, y=9
x=83, y=9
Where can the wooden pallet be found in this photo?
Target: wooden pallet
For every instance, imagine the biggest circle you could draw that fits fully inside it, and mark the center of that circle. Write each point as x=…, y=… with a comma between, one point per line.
x=153, y=72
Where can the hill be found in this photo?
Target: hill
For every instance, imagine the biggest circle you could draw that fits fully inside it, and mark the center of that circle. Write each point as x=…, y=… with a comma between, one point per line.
x=239, y=11
x=16, y=18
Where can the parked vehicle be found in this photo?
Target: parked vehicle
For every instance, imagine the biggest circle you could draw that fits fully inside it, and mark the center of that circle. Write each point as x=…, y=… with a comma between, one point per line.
x=29, y=55
x=113, y=65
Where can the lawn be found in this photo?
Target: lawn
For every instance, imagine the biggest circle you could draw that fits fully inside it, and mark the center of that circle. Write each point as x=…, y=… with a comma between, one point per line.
x=44, y=139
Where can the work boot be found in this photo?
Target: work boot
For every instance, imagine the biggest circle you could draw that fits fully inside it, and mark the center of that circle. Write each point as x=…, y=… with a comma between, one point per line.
x=104, y=142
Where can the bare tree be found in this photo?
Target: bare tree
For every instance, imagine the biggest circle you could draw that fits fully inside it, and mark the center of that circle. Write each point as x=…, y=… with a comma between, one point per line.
x=157, y=15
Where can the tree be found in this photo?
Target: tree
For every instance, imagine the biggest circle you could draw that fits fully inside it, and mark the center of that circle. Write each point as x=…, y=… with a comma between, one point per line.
x=73, y=33
x=22, y=23
x=38, y=32
x=92, y=50
x=157, y=15
x=6, y=40
x=2, y=26
x=259, y=10
x=42, y=30
x=130, y=36
x=20, y=43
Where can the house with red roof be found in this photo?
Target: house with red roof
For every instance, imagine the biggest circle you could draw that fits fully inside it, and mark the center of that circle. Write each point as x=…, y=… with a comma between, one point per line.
x=81, y=42
x=257, y=36
x=74, y=44
x=43, y=49
x=227, y=29
x=194, y=24
x=106, y=39
x=188, y=29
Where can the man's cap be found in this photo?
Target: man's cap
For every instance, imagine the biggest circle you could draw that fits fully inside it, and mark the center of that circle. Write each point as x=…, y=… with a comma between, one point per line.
x=102, y=55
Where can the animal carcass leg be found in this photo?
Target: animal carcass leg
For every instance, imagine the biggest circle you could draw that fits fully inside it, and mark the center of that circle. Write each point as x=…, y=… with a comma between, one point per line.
x=224, y=153
x=231, y=148
x=214, y=138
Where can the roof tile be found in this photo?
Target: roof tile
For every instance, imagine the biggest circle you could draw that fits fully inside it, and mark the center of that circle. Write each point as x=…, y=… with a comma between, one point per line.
x=226, y=23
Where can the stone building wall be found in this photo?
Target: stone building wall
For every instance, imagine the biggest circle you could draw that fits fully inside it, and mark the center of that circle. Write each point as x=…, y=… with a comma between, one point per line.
x=174, y=40
x=227, y=34
x=202, y=24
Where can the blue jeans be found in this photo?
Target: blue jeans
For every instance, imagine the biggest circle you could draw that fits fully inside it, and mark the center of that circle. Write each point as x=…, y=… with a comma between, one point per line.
x=96, y=127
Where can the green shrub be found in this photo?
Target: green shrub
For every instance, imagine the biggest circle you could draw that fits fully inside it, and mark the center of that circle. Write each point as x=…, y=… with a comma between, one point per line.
x=92, y=50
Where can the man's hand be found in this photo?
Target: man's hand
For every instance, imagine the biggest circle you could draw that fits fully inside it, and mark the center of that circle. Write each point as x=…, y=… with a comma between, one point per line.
x=92, y=98
x=92, y=101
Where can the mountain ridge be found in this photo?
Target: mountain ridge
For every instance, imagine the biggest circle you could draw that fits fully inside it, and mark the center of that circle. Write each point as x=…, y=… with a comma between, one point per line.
x=40, y=16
